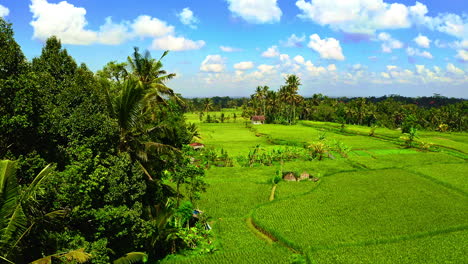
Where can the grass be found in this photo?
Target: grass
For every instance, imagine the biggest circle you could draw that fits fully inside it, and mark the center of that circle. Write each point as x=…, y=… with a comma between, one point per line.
x=358, y=207
x=442, y=248
x=232, y=194
x=404, y=160
x=382, y=204
x=232, y=137
x=453, y=175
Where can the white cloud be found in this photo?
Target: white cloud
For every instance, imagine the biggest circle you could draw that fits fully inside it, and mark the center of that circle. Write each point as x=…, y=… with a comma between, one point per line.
x=367, y=16
x=462, y=55
x=187, y=18
x=4, y=11
x=356, y=16
x=294, y=41
x=314, y=70
x=328, y=48
x=229, y=49
x=146, y=26
x=245, y=65
x=393, y=16
x=389, y=43
x=68, y=23
x=331, y=67
x=451, y=24
x=213, y=63
x=258, y=11
x=63, y=20
x=422, y=41
x=454, y=70
x=113, y=34
x=271, y=52
x=412, y=52
x=385, y=75
x=448, y=23
x=173, y=43
x=460, y=44
x=299, y=59
x=265, y=68
x=284, y=58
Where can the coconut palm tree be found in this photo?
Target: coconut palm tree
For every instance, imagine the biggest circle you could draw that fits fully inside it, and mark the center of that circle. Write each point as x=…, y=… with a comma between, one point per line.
x=151, y=77
x=15, y=224
x=207, y=104
x=135, y=132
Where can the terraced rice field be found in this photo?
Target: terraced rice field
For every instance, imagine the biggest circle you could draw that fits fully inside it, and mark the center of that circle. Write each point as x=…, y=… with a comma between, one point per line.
x=381, y=204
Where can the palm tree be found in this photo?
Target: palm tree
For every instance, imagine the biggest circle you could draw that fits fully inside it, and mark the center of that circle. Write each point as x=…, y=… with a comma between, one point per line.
x=152, y=77
x=288, y=94
x=127, y=107
x=207, y=104
x=14, y=223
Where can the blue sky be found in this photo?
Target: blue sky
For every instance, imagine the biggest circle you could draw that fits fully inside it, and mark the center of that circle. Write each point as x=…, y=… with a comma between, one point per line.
x=228, y=47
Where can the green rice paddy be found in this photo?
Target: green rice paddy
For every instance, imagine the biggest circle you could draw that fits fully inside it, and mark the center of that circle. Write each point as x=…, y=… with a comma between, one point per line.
x=383, y=203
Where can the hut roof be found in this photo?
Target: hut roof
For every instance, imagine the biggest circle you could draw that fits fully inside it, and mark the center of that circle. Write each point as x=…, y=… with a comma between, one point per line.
x=258, y=118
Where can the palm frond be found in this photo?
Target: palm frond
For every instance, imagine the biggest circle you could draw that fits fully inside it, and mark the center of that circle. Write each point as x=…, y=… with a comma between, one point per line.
x=78, y=255
x=13, y=221
x=132, y=257
x=128, y=104
x=31, y=191
x=164, y=55
x=161, y=148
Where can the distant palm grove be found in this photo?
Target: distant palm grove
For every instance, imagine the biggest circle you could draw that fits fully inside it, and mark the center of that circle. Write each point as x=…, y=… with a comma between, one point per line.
x=97, y=167
x=286, y=106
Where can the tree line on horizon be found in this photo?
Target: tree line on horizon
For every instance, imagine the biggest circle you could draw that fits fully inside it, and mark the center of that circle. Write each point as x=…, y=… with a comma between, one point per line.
x=286, y=106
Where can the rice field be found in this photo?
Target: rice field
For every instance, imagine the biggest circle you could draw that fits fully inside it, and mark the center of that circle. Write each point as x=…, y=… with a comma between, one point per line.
x=383, y=203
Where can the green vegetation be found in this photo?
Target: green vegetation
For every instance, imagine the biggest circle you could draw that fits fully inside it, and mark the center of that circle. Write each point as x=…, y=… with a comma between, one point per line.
x=115, y=139
x=109, y=167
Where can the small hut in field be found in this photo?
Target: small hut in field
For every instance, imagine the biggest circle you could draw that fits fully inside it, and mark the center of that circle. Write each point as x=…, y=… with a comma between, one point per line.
x=258, y=120
x=197, y=145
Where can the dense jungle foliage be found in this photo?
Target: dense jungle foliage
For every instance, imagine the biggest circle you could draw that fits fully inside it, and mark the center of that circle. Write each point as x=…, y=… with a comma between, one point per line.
x=114, y=182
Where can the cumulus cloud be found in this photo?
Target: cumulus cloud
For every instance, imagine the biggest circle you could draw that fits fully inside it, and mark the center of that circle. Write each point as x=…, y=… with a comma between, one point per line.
x=331, y=67
x=314, y=70
x=271, y=52
x=69, y=23
x=146, y=26
x=299, y=59
x=356, y=16
x=368, y=16
x=422, y=41
x=389, y=43
x=454, y=70
x=213, y=64
x=244, y=65
x=63, y=20
x=265, y=68
x=229, y=49
x=294, y=41
x=328, y=48
x=187, y=18
x=173, y=43
x=462, y=55
x=4, y=11
x=113, y=34
x=258, y=11
x=412, y=52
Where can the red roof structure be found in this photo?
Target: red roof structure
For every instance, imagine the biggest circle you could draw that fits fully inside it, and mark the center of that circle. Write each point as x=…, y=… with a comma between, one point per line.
x=258, y=118
x=197, y=145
